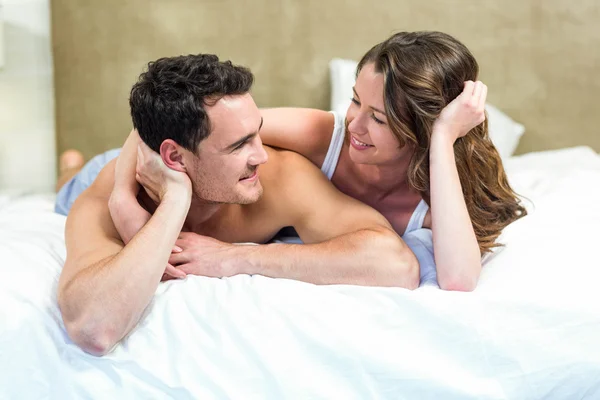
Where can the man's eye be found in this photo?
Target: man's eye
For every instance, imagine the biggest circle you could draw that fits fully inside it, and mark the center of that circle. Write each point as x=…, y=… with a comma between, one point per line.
x=239, y=146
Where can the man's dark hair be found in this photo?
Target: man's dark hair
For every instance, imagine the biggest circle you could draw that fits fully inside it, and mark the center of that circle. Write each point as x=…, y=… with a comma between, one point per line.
x=168, y=101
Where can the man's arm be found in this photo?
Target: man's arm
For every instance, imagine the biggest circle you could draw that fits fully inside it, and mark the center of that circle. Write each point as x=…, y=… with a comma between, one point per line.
x=346, y=241
x=105, y=286
x=127, y=214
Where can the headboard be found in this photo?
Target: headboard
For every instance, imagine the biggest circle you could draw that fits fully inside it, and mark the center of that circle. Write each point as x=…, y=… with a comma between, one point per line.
x=540, y=59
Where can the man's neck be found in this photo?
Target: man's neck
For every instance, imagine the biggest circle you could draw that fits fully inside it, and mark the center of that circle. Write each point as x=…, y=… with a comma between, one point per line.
x=200, y=213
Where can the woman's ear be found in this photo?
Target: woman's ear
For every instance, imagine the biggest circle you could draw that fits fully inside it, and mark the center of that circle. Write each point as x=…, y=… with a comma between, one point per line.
x=172, y=155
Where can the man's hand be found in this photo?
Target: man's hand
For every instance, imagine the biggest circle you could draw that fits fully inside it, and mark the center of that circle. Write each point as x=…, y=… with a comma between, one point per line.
x=463, y=113
x=202, y=255
x=157, y=179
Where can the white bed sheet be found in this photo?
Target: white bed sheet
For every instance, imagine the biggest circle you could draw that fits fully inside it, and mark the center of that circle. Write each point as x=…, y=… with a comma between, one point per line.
x=531, y=329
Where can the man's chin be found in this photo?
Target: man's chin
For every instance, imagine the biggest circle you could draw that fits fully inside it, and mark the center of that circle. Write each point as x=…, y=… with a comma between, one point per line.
x=243, y=195
x=252, y=197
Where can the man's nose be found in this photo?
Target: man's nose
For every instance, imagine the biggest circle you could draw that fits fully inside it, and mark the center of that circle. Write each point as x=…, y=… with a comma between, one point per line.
x=259, y=155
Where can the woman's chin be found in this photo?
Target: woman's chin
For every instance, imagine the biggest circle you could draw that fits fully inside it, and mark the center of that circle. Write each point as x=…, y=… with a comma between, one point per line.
x=359, y=157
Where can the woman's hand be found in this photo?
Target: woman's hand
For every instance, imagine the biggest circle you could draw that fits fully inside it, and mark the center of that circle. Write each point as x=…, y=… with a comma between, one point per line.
x=463, y=113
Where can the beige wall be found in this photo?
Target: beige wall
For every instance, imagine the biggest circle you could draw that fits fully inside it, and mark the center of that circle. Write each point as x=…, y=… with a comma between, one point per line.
x=539, y=58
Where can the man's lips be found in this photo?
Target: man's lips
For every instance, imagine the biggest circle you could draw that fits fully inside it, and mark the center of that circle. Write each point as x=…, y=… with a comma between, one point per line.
x=251, y=177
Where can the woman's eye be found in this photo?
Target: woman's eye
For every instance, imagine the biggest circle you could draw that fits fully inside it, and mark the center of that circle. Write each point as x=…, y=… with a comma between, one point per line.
x=355, y=101
x=377, y=120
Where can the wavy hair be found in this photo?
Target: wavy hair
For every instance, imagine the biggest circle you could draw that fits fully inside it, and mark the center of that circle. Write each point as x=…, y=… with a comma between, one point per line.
x=423, y=72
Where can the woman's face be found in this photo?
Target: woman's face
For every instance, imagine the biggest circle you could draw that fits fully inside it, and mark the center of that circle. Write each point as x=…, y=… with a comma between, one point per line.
x=371, y=139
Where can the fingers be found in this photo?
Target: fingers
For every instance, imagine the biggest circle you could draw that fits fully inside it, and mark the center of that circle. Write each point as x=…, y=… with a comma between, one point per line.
x=178, y=258
x=187, y=269
x=185, y=238
x=475, y=96
x=166, y=277
x=478, y=87
x=469, y=89
x=176, y=249
x=144, y=147
x=140, y=156
x=174, y=272
x=475, y=90
x=483, y=97
x=184, y=235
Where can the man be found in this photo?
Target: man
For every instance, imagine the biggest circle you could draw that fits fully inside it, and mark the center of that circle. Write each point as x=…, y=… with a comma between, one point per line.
x=208, y=184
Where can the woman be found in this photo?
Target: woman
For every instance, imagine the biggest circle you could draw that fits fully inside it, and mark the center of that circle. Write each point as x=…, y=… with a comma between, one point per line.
x=413, y=145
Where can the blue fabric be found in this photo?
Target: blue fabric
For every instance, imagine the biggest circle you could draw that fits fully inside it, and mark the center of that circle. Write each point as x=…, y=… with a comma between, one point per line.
x=84, y=178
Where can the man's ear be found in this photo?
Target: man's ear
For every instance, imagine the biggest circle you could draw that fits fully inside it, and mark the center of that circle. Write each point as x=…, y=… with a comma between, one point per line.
x=172, y=155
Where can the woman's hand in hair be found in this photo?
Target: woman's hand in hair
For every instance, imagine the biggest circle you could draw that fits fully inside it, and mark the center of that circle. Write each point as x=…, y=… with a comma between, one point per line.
x=463, y=113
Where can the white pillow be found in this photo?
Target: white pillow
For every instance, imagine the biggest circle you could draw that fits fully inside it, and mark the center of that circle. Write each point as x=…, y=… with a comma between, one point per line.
x=504, y=132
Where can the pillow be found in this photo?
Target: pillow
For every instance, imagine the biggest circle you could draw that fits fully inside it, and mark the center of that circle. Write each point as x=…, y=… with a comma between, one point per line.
x=504, y=132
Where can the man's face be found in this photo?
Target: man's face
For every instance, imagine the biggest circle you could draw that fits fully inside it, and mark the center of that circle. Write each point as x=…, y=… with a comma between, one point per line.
x=226, y=167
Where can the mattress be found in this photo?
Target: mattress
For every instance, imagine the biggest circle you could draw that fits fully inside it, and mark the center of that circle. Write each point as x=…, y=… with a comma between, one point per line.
x=529, y=331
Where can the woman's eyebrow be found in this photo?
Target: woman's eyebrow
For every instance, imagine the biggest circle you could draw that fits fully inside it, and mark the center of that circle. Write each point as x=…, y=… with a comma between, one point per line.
x=371, y=107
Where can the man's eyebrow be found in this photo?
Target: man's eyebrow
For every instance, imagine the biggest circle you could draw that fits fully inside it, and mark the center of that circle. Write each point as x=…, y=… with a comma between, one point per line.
x=245, y=138
x=371, y=107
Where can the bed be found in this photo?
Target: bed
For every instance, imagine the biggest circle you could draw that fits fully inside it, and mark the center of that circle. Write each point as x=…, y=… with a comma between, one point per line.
x=529, y=331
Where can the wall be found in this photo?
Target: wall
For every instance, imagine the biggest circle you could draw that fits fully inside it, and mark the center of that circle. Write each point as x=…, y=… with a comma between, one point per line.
x=539, y=58
x=27, y=139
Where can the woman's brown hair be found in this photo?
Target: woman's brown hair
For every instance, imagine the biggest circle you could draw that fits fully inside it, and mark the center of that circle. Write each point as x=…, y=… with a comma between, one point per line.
x=423, y=72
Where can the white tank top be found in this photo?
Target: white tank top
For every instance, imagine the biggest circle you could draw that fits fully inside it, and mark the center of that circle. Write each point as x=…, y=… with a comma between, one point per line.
x=333, y=156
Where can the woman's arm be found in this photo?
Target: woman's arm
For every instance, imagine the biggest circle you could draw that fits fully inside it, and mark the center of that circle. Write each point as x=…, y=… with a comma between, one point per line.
x=303, y=130
x=456, y=250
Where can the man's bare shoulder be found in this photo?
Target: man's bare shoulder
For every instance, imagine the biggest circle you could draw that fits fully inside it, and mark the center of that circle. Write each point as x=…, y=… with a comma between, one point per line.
x=90, y=209
x=285, y=164
x=289, y=176
x=304, y=198
x=90, y=234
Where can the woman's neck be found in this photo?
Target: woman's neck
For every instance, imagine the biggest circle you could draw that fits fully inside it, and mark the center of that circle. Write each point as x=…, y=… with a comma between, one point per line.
x=385, y=179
